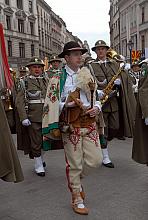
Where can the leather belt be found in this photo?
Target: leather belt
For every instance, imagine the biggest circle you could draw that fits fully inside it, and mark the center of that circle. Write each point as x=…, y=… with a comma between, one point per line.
x=36, y=101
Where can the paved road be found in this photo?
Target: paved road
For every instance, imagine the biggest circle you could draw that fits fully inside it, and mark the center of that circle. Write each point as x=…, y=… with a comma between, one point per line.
x=112, y=194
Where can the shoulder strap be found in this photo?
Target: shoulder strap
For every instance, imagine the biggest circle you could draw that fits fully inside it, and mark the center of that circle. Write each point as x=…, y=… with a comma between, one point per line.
x=93, y=74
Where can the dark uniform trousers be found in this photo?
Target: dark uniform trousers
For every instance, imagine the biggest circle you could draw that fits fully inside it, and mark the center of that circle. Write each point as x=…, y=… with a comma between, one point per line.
x=35, y=134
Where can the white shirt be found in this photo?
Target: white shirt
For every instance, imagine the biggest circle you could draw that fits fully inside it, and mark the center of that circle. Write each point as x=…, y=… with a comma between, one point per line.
x=70, y=86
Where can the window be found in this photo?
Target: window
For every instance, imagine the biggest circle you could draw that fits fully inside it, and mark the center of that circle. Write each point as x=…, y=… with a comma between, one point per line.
x=30, y=7
x=20, y=26
x=143, y=45
x=9, y=48
x=40, y=53
x=8, y=22
x=143, y=15
x=32, y=28
x=22, y=50
x=136, y=41
x=42, y=38
x=20, y=4
x=32, y=50
x=7, y=2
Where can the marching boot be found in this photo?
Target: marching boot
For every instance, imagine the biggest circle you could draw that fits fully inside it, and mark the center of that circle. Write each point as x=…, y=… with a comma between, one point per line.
x=106, y=160
x=39, y=169
x=78, y=204
x=42, y=156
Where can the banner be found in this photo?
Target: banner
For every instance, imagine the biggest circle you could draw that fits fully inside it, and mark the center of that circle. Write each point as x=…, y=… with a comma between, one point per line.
x=5, y=76
x=136, y=55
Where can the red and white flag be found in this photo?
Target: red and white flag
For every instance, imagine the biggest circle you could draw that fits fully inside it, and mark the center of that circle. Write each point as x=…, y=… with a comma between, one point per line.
x=5, y=76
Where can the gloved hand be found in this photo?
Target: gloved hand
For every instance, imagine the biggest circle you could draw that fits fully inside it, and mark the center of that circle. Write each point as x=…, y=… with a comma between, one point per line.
x=26, y=122
x=117, y=82
x=146, y=121
x=100, y=93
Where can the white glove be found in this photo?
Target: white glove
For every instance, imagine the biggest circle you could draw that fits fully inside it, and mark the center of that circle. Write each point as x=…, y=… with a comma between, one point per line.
x=134, y=86
x=146, y=121
x=100, y=93
x=26, y=122
x=117, y=82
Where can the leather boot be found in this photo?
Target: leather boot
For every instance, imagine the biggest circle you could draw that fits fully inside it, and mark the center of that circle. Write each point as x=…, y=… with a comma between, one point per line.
x=78, y=204
x=82, y=193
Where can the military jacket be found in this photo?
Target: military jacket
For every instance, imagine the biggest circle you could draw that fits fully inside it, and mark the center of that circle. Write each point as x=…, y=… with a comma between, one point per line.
x=30, y=98
x=104, y=73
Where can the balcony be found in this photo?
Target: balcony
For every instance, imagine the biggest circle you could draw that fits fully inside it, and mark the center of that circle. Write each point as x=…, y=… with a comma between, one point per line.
x=141, y=2
x=143, y=26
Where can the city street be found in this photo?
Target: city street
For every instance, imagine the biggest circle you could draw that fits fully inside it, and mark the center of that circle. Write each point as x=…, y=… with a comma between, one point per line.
x=112, y=194
x=65, y=66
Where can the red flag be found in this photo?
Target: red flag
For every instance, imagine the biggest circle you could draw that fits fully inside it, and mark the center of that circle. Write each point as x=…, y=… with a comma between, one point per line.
x=5, y=76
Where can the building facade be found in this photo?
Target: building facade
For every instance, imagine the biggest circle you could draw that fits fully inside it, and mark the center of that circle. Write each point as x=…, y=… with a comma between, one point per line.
x=19, y=19
x=114, y=25
x=31, y=28
x=44, y=28
x=58, y=28
x=132, y=25
x=143, y=27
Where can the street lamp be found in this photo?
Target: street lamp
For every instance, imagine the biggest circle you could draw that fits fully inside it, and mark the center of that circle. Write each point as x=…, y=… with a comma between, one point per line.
x=130, y=45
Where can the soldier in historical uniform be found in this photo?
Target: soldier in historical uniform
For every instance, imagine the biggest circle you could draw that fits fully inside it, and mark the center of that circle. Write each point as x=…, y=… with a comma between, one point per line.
x=104, y=69
x=140, y=142
x=71, y=97
x=135, y=74
x=10, y=169
x=55, y=62
x=54, y=65
x=22, y=73
x=29, y=103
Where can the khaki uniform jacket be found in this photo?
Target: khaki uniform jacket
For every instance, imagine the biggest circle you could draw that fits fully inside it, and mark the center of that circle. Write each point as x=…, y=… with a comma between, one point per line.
x=140, y=142
x=127, y=97
x=106, y=73
x=36, y=92
x=10, y=169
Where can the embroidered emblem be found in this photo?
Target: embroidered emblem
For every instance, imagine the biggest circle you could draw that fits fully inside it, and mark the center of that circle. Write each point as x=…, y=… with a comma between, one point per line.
x=74, y=137
x=93, y=135
x=53, y=94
